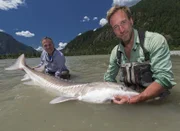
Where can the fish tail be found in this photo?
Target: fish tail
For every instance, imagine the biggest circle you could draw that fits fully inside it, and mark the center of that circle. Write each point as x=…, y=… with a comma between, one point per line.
x=19, y=64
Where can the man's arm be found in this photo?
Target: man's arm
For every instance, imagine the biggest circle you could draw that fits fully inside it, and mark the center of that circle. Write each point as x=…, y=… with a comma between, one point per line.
x=151, y=91
x=113, y=67
x=41, y=61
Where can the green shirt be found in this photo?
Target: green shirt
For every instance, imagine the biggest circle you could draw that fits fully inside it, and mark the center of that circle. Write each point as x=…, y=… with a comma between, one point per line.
x=159, y=55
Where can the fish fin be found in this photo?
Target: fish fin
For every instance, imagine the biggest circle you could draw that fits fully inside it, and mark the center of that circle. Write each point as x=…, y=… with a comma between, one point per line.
x=29, y=83
x=62, y=99
x=19, y=64
x=25, y=78
x=40, y=69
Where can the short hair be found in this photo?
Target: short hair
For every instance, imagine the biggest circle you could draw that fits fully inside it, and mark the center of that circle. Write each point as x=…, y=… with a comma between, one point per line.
x=47, y=38
x=115, y=8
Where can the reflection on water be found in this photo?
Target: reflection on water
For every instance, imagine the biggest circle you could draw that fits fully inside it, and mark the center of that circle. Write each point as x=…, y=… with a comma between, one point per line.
x=26, y=108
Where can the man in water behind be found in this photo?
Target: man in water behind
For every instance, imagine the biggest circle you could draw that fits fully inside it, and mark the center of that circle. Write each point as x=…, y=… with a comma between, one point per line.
x=53, y=60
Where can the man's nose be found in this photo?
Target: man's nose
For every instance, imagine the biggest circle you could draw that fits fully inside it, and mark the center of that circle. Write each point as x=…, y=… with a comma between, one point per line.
x=121, y=29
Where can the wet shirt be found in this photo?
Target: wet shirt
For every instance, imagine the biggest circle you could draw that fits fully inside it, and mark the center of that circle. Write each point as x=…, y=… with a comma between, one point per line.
x=54, y=63
x=159, y=55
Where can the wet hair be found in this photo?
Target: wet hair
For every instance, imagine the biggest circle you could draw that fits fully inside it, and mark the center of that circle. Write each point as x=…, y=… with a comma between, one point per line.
x=115, y=8
x=47, y=38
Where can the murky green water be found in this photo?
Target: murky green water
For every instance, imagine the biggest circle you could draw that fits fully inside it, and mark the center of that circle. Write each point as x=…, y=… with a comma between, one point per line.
x=27, y=108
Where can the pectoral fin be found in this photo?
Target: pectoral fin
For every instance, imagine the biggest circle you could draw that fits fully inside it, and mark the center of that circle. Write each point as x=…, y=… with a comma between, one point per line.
x=25, y=78
x=62, y=99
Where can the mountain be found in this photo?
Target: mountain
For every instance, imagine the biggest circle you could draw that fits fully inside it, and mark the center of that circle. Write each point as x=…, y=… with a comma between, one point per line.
x=92, y=42
x=160, y=16
x=10, y=46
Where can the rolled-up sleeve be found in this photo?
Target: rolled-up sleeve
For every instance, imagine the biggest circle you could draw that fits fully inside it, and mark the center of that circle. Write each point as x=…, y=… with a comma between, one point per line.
x=160, y=60
x=113, y=67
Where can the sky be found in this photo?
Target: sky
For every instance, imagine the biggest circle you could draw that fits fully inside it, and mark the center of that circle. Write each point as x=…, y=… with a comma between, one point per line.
x=28, y=21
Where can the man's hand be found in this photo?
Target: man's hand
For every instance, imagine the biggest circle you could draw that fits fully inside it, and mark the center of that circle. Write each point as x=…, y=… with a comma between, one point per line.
x=128, y=100
x=121, y=99
x=33, y=68
x=150, y=92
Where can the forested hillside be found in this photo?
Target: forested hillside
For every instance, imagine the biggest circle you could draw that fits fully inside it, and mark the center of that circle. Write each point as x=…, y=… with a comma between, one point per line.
x=162, y=16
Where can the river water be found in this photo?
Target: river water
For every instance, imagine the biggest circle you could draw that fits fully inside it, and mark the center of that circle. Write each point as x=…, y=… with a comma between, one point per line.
x=27, y=108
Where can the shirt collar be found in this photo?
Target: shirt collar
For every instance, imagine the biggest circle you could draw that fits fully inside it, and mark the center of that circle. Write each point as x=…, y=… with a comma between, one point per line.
x=135, y=44
x=54, y=52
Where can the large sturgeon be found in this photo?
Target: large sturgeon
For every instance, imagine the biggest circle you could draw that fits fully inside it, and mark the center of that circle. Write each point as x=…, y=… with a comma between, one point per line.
x=95, y=92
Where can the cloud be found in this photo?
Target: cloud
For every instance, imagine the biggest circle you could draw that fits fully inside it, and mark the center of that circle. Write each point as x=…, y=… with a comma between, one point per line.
x=25, y=34
x=79, y=34
x=103, y=21
x=39, y=49
x=86, y=19
x=95, y=29
x=125, y=2
x=95, y=18
x=61, y=46
x=10, y=4
x=1, y=30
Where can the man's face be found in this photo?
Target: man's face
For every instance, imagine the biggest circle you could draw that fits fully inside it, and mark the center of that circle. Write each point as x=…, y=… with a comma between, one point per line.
x=48, y=46
x=122, y=26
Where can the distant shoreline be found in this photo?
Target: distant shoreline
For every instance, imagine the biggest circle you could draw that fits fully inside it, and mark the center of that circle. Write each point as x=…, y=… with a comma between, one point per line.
x=175, y=52
x=172, y=52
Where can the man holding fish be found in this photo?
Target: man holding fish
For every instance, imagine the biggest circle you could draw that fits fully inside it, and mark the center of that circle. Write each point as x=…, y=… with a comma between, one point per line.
x=142, y=57
x=53, y=60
